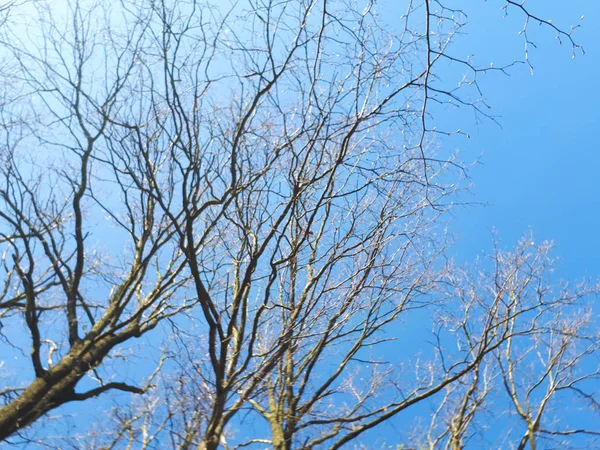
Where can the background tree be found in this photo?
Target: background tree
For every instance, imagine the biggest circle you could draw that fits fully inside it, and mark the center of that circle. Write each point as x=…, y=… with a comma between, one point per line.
x=547, y=346
x=264, y=179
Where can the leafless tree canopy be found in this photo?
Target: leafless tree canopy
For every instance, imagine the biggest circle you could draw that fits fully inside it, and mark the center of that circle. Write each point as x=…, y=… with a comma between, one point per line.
x=255, y=190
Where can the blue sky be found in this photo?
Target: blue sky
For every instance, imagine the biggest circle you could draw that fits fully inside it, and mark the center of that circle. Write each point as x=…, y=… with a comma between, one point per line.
x=540, y=170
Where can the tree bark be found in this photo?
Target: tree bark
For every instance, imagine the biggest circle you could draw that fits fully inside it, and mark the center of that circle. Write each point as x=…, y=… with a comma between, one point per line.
x=56, y=387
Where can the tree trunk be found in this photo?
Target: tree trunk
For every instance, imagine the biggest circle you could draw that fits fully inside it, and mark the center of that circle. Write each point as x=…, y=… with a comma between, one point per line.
x=55, y=388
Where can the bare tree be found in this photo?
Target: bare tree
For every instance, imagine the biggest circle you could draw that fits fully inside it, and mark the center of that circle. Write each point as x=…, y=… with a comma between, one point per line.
x=543, y=376
x=77, y=298
x=489, y=313
x=547, y=346
x=263, y=178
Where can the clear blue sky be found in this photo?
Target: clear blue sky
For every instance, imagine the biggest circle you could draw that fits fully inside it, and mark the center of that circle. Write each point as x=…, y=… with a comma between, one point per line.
x=540, y=170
